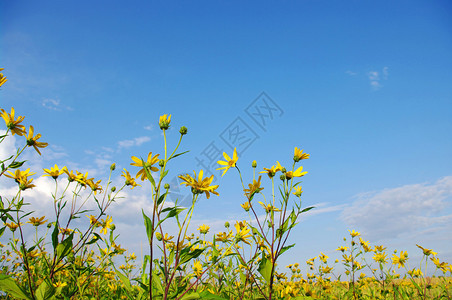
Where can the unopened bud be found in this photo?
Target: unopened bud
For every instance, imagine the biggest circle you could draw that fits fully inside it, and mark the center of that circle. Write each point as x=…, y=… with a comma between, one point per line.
x=254, y=164
x=226, y=224
x=282, y=177
x=166, y=186
x=161, y=163
x=158, y=235
x=113, y=189
x=113, y=166
x=183, y=130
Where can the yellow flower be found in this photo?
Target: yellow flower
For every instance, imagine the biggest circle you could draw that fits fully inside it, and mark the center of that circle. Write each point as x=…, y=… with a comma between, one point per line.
x=400, y=260
x=148, y=163
x=164, y=121
x=37, y=221
x=353, y=233
x=415, y=273
x=342, y=248
x=254, y=188
x=197, y=268
x=129, y=179
x=106, y=224
x=299, y=155
x=70, y=175
x=33, y=140
x=201, y=185
x=223, y=237
x=427, y=252
x=133, y=256
x=3, y=79
x=12, y=226
x=93, y=220
x=204, y=229
x=243, y=232
x=13, y=124
x=95, y=186
x=297, y=191
x=54, y=171
x=272, y=171
x=65, y=230
x=21, y=178
x=268, y=208
x=59, y=284
x=229, y=163
x=81, y=178
x=323, y=257
x=297, y=173
x=245, y=206
x=380, y=257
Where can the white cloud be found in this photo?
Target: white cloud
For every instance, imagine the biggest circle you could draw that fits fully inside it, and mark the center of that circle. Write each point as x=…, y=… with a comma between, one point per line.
x=54, y=104
x=375, y=77
x=351, y=73
x=134, y=142
x=407, y=210
x=149, y=127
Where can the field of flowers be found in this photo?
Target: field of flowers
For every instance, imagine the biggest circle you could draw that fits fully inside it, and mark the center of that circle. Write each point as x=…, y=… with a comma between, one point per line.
x=66, y=261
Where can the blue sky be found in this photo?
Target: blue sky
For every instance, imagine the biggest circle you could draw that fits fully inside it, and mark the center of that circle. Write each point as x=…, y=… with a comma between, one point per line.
x=363, y=86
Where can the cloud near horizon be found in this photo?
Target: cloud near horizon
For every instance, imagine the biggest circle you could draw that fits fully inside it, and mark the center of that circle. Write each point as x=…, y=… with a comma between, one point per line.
x=406, y=210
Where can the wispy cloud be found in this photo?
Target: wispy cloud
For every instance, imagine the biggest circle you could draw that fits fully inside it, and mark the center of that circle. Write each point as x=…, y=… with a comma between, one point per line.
x=54, y=104
x=375, y=77
x=396, y=212
x=133, y=142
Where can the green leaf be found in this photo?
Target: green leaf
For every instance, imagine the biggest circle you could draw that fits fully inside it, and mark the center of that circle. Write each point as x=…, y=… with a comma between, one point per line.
x=265, y=268
x=148, y=224
x=307, y=209
x=191, y=296
x=65, y=247
x=44, y=291
x=2, y=230
x=124, y=280
x=156, y=282
x=285, y=248
x=55, y=237
x=178, y=154
x=206, y=295
x=160, y=200
x=9, y=286
x=16, y=164
x=186, y=257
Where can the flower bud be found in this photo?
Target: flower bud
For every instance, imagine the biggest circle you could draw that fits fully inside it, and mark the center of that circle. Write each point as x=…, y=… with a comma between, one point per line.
x=158, y=235
x=283, y=170
x=112, y=226
x=226, y=224
x=166, y=186
x=113, y=189
x=183, y=130
x=113, y=166
x=164, y=122
x=161, y=163
x=254, y=164
x=282, y=177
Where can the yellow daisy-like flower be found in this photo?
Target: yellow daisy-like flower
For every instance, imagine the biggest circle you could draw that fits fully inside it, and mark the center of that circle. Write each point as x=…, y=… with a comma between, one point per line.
x=12, y=123
x=342, y=249
x=197, y=268
x=253, y=188
x=93, y=220
x=299, y=155
x=95, y=186
x=148, y=163
x=33, y=140
x=130, y=181
x=54, y=171
x=164, y=121
x=201, y=185
x=400, y=260
x=297, y=191
x=229, y=163
x=37, y=221
x=246, y=206
x=427, y=252
x=21, y=178
x=272, y=171
x=243, y=232
x=3, y=79
x=59, y=284
x=297, y=173
x=268, y=208
x=70, y=175
x=106, y=224
x=204, y=229
x=353, y=233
